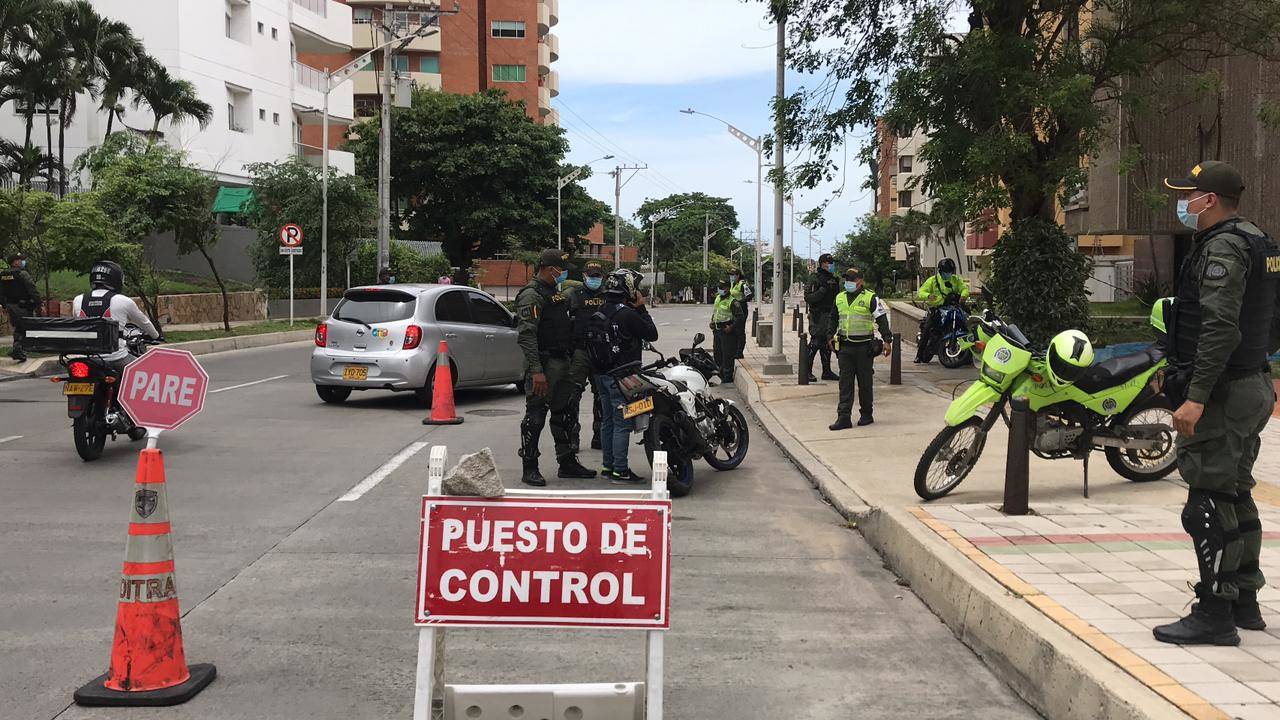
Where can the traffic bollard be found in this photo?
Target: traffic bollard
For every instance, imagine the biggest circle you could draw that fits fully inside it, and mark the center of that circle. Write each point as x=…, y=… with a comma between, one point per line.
x=803, y=377
x=1018, y=462
x=755, y=320
x=895, y=361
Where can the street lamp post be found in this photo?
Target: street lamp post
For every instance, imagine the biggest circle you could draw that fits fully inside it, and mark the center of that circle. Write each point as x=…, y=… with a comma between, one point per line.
x=560, y=183
x=777, y=363
x=707, y=234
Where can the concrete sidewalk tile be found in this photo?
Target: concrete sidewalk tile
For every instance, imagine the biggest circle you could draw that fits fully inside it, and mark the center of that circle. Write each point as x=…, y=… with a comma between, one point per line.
x=1140, y=637
x=1266, y=653
x=1254, y=638
x=1204, y=711
x=1104, y=588
x=1270, y=689
x=1084, y=577
x=1076, y=626
x=1166, y=654
x=1179, y=695
x=1251, y=712
x=1223, y=654
x=1123, y=599
x=1149, y=675
x=1148, y=611
x=1100, y=613
x=1225, y=692
x=1250, y=671
x=1198, y=672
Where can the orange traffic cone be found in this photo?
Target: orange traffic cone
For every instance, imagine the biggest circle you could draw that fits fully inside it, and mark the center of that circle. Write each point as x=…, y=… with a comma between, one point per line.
x=148, y=666
x=442, y=410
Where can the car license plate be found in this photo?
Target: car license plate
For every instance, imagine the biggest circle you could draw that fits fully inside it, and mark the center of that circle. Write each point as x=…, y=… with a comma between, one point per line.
x=355, y=372
x=77, y=389
x=638, y=407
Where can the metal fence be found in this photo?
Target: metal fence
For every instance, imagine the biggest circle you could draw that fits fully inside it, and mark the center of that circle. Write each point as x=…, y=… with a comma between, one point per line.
x=319, y=7
x=308, y=76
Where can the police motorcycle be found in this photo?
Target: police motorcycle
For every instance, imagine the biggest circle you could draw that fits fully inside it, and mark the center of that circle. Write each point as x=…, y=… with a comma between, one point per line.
x=1115, y=406
x=91, y=384
x=674, y=412
x=953, y=329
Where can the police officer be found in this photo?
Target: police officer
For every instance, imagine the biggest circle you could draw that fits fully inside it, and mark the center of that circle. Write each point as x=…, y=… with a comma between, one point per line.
x=584, y=301
x=19, y=297
x=936, y=291
x=858, y=313
x=741, y=293
x=1220, y=387
x=820, y=296
x=545, y=333
x=724, y=344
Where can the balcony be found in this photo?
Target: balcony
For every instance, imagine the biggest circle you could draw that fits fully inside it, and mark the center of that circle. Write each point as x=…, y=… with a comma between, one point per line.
x=552, y=82
x=553, y=43
x=308, y=94
x=366, y=35
x=544, y=58
x=321, y=27
x=553, y=118
x=544, y=19
x=544, y=101
x=340, y=160
x=553, y=7
x=365, y=82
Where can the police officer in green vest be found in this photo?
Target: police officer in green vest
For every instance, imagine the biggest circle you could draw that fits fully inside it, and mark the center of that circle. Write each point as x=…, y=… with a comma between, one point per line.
x=1219, y=337
x=724, y=344
x=545, y=336
x=584, y=301
x=19, y=297
x=858, y=314
x=741, y=293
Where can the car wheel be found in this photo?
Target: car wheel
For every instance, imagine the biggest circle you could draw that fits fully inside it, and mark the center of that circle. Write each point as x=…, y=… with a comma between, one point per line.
x=332, y=394
x=520, y=386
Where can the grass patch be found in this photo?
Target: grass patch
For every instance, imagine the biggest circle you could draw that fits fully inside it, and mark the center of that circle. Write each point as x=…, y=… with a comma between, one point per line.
x=65, y=284
x=270, y=326
x=1131, y=306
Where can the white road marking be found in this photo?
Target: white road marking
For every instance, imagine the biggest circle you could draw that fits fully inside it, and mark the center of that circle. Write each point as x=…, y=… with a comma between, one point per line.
x=11, y=437
x=663, y=324
x=381, y=473
x=244, y=385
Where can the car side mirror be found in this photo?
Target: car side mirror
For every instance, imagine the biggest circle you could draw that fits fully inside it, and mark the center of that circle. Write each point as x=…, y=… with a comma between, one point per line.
x=698, y=339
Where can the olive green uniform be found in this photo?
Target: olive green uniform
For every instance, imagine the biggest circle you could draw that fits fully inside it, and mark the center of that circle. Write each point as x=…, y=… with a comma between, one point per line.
x=545, y=336
x=1223, y=281
x=820, y=297
x=741, y=294
x=583, y=302
x=20, y=298
x=855, y=350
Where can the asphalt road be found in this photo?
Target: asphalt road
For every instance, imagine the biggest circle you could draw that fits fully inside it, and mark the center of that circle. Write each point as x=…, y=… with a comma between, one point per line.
x=304, y=601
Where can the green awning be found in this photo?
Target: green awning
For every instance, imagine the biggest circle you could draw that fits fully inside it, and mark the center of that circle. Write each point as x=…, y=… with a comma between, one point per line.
x=232, y=199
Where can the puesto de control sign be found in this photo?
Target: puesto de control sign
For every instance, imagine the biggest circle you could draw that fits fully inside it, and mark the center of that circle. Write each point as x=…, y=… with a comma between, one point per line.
x=554, y=562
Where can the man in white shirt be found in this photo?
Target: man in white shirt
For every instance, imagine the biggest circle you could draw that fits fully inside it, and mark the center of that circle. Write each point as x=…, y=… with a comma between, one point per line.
x=105, y=301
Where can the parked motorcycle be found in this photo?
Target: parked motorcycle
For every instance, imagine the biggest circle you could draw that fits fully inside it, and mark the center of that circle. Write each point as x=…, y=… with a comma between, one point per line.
x=675, y=413
x=950, y=334
x=1115, y=406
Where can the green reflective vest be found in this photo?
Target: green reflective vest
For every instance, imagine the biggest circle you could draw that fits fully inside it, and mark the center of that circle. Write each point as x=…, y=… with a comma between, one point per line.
x=738, y=291
x=722, y=311
x=855, y=318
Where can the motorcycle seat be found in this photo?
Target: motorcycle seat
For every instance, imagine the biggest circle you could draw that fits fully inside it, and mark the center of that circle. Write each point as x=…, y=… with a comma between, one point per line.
x=1118, y=370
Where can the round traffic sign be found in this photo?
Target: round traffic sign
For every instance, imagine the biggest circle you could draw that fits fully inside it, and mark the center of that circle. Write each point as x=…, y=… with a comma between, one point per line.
x=163, y=389
x=291, y=235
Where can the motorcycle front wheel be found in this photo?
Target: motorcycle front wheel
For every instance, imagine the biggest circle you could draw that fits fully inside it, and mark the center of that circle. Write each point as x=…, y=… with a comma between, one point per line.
x=1146, y=465
x=952, y=356
x=948, y=459
x=664, y=435
x=733, y=447
x=90, y=434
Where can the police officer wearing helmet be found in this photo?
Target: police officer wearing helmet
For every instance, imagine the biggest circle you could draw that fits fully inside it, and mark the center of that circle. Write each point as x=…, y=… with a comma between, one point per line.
x=622, y=326
x=585, y=300
x=545, y=336
x=820, y=296
x=104, y=300
x=858, y=314
x=1220, y=335
x=19, y=297
x=724, y=344
x=941, y=287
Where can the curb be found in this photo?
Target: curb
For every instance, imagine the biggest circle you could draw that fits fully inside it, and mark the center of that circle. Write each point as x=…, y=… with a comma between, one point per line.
x=1057, y=674
x=195, y=347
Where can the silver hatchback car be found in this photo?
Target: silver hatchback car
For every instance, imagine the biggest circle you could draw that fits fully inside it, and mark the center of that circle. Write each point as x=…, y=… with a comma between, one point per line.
x=385, y=337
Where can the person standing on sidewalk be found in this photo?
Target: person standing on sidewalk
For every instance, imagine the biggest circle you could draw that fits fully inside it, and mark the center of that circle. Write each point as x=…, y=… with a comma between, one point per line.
x=616, y=336
x=1220, y=387
x=741, y=294
x=858, y=314
x=724, y=344
x=545, y=337
x=820, y=296
x=20, y=298
x=584, y=300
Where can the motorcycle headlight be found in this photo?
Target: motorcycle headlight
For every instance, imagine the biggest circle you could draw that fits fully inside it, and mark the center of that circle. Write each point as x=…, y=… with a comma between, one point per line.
x=994, y=375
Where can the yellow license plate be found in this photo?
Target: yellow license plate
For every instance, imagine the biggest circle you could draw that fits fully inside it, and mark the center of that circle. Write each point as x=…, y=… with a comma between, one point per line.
x=355, y=372
x=638, y=407
x=77, y=389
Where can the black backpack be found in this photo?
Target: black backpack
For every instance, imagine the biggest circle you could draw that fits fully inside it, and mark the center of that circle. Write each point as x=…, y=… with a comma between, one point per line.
x=604, y=338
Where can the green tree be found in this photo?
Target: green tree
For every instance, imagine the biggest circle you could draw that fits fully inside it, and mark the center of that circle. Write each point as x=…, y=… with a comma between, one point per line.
x=169, y=98
x=681, y=233
x=1033, y=260
x=869, y=247
x=409, y=265
x=474, y=171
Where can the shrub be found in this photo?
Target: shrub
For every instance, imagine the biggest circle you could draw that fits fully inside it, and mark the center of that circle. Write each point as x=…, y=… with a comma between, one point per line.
x=1037, y=280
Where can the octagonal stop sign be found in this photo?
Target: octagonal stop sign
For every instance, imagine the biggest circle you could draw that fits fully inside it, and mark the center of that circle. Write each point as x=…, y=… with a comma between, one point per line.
x=163, y=389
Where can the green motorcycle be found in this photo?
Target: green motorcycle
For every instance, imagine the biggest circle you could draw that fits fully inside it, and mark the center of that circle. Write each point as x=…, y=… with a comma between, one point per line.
x=1114, y=406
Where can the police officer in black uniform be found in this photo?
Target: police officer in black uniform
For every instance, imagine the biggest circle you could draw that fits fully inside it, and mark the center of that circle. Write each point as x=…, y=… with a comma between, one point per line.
x=584, y=301
x=19, y=297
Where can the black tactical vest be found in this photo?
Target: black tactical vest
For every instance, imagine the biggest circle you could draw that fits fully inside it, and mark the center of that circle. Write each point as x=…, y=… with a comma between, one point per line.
x=555, y=327
x=585, y=302
x=97, y=307
x=1256, y=310
x=13, y=291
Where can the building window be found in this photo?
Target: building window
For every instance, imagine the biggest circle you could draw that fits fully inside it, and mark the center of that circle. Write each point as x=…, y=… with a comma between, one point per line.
x=240, y=109
x=508, y=29
x=904, y=163
x=429, y=64
x=363, y=16
x=261, y=28
x=228, y=24
x=262, y=114
x=275, y=34
x=400, y=63
x=508, y=73
x=239, y=25
x=275, y=118
x=904, y=198
x=366, y=107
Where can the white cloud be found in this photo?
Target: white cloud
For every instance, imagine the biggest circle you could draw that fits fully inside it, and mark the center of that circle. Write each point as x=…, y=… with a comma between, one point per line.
x=661, y=42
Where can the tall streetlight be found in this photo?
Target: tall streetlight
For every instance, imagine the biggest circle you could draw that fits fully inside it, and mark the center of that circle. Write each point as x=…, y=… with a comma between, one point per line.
x=707, y=234
x=756, y=144
x=777, y=363
x=560, y=187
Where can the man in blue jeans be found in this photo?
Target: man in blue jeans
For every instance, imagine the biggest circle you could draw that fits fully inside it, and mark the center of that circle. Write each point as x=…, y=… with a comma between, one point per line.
x=616, y=339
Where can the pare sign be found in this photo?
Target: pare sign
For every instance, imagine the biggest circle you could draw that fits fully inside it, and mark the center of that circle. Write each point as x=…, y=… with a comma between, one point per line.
x=545, y=563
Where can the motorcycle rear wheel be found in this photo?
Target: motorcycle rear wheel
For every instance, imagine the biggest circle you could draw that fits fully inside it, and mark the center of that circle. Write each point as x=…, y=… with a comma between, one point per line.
x=948, y=459
x=1146, y=465
x=90, y=434
x=735, y=449
x=664, y=435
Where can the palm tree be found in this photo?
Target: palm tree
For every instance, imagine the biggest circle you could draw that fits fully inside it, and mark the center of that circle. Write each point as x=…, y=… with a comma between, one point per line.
x=168, y=97
x=120, y=72
x=28, y=162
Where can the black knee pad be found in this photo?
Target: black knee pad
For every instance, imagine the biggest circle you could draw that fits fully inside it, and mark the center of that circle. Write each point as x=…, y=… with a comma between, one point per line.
x=1202, y=521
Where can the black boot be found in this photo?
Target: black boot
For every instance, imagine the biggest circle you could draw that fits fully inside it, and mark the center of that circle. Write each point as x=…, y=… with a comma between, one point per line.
x=842, y=423
x=813, y=378
x=531, y=474
x=595, y=442
x=571, y=468
x=1209, y=623
x=865, y=420
x=1247, y=614
x=828, y=375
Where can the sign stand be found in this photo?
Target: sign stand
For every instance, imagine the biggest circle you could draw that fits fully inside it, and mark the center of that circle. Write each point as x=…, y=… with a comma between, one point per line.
x=291, y=244
x=429, y=686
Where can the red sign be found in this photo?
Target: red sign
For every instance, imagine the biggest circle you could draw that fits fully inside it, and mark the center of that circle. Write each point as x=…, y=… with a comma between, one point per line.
x=291, y=235
x=545, y=563
x=163, y=389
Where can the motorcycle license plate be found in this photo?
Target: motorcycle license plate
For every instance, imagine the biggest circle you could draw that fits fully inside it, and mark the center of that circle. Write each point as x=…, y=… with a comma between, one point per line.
x=355, y=372
x=77, y=389
x=638, y=407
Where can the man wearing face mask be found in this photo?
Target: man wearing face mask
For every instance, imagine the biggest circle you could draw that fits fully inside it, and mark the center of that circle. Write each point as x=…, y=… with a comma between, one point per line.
x=1223, y=329
x=820, y=296
x=858, y=314
x=19, y=297
x=584, y=300
x=545, y=337
x=724, y=344
x=741, y=294
x=936, y=291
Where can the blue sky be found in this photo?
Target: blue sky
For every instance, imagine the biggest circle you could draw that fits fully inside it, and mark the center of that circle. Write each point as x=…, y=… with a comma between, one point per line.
x=626, y=69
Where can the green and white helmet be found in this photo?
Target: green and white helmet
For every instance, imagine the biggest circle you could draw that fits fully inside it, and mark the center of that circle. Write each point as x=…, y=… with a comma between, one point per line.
x=1070, y=352
x=1161, y=315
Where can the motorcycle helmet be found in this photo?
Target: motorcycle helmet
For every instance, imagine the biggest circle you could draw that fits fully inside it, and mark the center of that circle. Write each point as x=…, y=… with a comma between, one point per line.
x=947, y=266
x=1069, y=354
x=107, y=276
x=1161, y=315
x=623, y=283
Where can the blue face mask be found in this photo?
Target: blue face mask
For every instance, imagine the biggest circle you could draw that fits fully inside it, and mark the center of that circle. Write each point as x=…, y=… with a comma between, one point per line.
x=593, y=283
x=22, y=264
x=946, y=276
x=564, y=275
x=1185, y=216
x=733, y=279
x=850, y=286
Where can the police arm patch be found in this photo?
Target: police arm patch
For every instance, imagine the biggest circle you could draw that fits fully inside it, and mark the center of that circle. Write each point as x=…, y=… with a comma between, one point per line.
x=1215, y=270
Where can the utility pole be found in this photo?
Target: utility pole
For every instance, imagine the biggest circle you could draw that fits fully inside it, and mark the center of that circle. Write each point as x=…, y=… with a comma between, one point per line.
x=384, y=144
x=777, y=363
x=706, y=240
x=618, y=183
x=560, y=185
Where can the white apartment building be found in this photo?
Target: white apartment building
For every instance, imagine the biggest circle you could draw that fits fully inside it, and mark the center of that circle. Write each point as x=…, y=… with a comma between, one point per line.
x=242, y=58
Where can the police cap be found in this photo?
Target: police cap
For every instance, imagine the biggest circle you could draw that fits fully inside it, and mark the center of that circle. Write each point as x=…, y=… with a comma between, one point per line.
x=554, y=258
x=1212, y=176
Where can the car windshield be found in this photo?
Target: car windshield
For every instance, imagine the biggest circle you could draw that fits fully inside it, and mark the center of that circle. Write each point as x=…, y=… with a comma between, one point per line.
x=369, y=307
